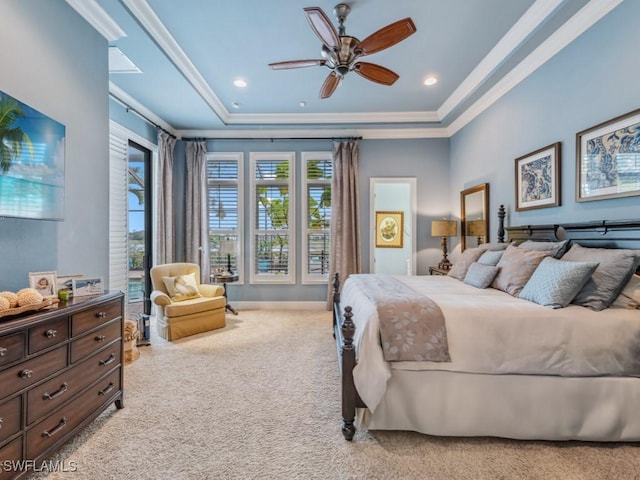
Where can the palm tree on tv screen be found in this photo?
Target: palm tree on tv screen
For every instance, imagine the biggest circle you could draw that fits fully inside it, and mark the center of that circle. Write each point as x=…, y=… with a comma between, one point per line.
x=12, y=138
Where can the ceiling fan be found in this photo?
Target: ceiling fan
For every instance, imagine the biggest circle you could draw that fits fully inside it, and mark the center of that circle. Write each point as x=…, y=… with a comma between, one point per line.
x=341, y=52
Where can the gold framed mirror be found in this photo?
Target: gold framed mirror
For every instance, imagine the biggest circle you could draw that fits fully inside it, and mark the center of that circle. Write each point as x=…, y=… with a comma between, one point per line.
x=474, y=218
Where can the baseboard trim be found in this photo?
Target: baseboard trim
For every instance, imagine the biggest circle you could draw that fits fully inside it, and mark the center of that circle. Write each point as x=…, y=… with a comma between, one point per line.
x=260, y=305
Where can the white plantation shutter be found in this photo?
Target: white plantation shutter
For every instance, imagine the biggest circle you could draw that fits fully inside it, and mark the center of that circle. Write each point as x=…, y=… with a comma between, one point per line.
x=118, y=213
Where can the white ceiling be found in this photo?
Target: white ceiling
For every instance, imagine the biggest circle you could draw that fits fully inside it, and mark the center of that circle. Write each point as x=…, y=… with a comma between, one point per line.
x=190, y=51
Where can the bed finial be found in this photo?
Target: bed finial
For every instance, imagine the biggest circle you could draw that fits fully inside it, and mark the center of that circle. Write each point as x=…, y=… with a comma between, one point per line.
x=501, y=215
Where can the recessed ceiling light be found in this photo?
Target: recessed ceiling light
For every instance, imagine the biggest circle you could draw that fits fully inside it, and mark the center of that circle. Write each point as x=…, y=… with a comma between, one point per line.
x=430, y=81
x=240, y=83
x=235, y=105
x=303, y=104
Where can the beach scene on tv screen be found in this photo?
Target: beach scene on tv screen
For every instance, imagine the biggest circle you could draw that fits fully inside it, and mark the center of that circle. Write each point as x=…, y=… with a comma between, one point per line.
x=32, y=149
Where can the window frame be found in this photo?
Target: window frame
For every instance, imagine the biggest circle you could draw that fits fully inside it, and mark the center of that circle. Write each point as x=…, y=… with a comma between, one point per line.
x=306, y=157
x=272, y=278
x=238, y=157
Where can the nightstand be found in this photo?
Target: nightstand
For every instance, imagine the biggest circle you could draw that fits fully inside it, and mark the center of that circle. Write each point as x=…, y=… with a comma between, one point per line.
x=438, y=271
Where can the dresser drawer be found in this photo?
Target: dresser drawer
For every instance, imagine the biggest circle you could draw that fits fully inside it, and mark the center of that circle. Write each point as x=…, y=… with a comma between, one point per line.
x=57, y=427
x=48, y=334
x=53, y=393
x=85, y=346
x=12, y=453
x=94, y=317
x=11, y=348
x=27, y=373
x=10, y=418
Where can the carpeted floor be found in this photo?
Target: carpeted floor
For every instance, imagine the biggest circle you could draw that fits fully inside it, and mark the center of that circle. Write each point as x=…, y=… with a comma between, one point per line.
x=259, y=399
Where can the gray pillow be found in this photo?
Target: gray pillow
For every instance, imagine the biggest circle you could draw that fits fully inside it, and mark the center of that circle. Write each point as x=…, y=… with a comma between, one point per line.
x=557, y=249
x=616, y=267
x=493, y=246
x=460, y=267
x=516, y=267
x=480, y=275
x=491, y=257
x=556, y=282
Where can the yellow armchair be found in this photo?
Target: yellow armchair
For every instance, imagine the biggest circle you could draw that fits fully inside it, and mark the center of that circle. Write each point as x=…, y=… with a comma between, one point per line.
x=184, y=306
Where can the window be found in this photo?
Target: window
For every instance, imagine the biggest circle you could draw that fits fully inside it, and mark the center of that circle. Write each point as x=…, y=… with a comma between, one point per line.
x=224, y=185
x=316, y=216
x=272, y=229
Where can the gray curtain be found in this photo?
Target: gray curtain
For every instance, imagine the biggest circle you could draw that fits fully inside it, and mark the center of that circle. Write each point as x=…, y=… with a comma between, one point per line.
x=345, y=219
x=165, y=228
x=196, y=221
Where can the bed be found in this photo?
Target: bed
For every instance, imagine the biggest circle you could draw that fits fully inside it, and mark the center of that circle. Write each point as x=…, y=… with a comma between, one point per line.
x=516, y=368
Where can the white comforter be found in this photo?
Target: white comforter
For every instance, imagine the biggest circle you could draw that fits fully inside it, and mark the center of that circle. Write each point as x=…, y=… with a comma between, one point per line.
x=492, y=332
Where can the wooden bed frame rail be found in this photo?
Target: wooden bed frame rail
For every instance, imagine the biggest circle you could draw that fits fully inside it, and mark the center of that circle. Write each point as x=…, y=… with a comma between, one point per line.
x=605, y=234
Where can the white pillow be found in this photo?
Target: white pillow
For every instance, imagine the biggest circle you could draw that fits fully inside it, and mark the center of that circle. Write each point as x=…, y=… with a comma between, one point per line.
x=182, y=287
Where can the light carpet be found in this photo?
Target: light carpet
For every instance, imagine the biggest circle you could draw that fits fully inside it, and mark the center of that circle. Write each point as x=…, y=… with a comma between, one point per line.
x=260, y=399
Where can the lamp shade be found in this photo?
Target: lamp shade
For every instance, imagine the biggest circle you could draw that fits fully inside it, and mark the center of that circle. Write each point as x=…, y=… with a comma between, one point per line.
x=476, y=228
x=444, y=228
x=227, y=247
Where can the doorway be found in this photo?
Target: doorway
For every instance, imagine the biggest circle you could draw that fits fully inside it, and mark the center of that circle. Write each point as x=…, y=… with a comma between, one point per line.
x=393, y=198
x=139, y=231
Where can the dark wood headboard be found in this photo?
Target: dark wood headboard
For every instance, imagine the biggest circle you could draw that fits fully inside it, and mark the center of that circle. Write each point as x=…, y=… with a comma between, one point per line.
x=603, y=233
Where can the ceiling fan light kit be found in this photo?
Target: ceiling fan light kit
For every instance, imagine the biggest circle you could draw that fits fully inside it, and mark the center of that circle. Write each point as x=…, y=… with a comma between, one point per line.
x=341, y=52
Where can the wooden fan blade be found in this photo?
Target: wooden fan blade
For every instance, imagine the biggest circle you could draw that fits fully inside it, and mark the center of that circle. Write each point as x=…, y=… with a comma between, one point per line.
x=375, y=73
x=387, y=36
x=322, y=27
x=297, y=64
x=329, y=86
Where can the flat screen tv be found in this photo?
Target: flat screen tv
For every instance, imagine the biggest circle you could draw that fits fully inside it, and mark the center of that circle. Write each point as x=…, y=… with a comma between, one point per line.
x=32, y=149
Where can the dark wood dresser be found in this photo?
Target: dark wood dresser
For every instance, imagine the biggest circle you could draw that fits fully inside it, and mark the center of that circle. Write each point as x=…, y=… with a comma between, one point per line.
x=59, y=369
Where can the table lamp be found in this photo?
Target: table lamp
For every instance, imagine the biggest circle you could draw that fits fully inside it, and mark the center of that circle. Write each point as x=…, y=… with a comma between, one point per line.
x=444, y=229
x=477, y=228
x=228, y=248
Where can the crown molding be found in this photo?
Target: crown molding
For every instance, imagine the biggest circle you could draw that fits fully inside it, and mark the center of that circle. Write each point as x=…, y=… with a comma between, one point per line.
x=148, y=19
x=365, y=133
x=129, y=102
x=95, y=15
x=567, y=33
x=521, y=30
x=320, y=118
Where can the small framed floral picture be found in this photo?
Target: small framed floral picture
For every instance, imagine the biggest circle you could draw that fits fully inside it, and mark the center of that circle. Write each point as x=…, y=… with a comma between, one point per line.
x=538, y=178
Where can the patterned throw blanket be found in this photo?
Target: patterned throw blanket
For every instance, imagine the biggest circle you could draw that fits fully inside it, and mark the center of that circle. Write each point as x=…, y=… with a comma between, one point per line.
x=412, y=326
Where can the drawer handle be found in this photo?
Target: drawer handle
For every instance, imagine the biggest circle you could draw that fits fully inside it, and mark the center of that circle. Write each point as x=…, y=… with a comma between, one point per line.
x=100, y=338
x=109, y=360
x=3, y=351
x=60, y=426
x=51, y=396
x=1, y=420
x=107, y=389
x=101, y=314
x=51, y=333
x=26, y=373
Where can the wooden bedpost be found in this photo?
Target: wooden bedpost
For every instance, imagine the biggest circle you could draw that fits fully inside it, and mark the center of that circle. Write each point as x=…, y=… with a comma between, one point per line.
x=501, y=215
x=348, y=354
x=336, y=300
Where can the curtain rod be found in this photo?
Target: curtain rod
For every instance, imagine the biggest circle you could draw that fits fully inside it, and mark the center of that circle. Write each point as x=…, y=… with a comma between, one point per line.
x=272, y=139
x=133, y=110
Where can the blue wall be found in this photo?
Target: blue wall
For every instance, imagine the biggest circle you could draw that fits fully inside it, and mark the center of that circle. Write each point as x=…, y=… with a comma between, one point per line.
x=592, y=80
x=53, y=61
x=427, y=160
x=133, y=122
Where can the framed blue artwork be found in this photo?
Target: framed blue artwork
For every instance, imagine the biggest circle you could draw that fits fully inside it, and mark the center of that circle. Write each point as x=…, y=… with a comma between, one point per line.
x=538, y=178
x=608, y=159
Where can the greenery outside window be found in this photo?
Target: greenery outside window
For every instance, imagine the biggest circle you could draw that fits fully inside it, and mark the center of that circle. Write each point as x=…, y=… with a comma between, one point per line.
x=316, y=216
x=272, y=215
x=225, y=209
